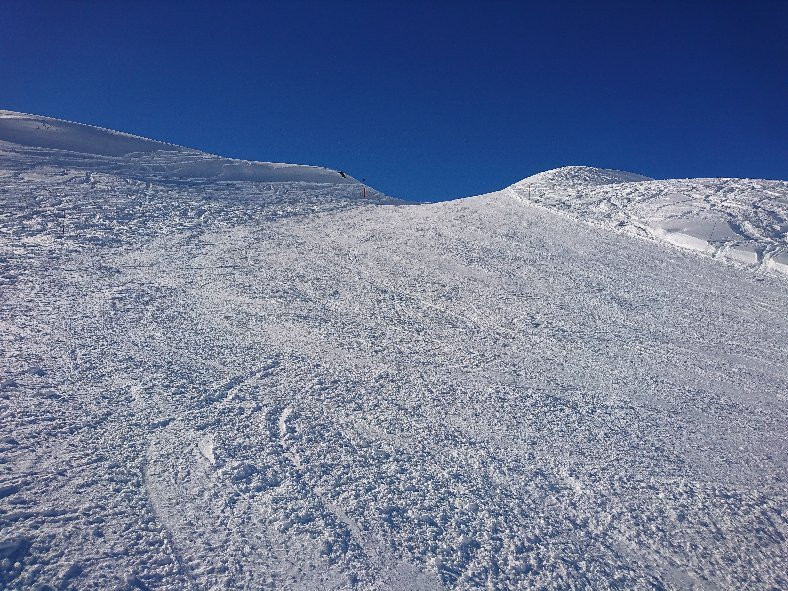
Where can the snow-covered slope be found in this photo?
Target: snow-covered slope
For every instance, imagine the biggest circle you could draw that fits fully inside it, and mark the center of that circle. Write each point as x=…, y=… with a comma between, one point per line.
x=280, y=385
x=74, y=145
x=576, y=177
x=741, y=220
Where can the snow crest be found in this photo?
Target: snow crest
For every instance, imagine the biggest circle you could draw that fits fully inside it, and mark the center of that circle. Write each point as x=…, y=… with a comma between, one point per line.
x=741, y=221
x=74, y=145
x=580, y=176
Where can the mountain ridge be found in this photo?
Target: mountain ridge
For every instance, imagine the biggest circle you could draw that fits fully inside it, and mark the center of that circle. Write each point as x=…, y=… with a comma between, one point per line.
x=744, y=221
x=62, y=140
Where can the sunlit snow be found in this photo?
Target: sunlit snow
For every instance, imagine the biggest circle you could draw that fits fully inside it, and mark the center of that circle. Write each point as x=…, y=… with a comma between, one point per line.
x=220, y=374
x=741, y=220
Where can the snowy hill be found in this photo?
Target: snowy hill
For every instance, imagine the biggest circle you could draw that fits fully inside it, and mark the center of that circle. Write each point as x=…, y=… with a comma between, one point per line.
x=75, y=145
x=741, y=220
x=263, y=382
x=575, y=177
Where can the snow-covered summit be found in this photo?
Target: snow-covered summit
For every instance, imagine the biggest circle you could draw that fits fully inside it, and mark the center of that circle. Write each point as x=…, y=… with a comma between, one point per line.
x=581, y=176
x=56, y=134
x=35, y=139
x=741, y=220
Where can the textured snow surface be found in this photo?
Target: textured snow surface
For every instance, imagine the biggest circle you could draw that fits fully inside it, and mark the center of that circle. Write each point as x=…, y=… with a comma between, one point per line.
x=740, y=220
x=101, y=150
x=278, y=385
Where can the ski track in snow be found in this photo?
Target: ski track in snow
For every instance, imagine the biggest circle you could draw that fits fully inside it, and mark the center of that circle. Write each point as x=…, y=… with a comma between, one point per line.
x=271, y=385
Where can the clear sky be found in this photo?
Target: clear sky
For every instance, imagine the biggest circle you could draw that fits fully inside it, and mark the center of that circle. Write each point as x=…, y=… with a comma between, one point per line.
x=425, y=100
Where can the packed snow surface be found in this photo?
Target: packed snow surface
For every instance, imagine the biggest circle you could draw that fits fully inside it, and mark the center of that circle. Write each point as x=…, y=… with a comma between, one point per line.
x=219, y=381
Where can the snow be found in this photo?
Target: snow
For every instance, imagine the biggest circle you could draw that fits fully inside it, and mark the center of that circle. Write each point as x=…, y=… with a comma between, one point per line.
x=66, y=144
x=572, y=177
x=258, y=384
x=744, y=221
x=46, y=132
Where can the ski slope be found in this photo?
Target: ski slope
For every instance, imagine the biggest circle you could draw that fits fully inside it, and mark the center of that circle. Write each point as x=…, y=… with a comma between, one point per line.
x=273, y=383
x=744, y=221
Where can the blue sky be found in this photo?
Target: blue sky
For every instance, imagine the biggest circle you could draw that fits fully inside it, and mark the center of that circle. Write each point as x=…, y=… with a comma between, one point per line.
x=425, y=100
